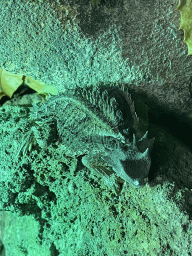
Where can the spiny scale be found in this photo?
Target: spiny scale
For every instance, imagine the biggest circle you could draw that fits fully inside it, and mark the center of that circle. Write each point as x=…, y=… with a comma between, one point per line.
x=113, y=105
x=100, y=124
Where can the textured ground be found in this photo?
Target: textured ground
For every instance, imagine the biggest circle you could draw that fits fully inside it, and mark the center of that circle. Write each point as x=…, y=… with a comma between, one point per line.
x=46, y=209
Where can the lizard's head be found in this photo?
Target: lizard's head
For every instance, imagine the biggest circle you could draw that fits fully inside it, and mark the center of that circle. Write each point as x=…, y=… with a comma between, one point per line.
x=131, y=161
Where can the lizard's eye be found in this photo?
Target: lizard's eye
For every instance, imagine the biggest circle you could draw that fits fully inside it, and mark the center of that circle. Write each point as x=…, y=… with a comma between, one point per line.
x=110, y=143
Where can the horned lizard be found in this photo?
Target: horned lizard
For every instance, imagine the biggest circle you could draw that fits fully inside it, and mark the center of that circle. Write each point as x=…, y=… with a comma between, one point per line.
x=98, y=123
